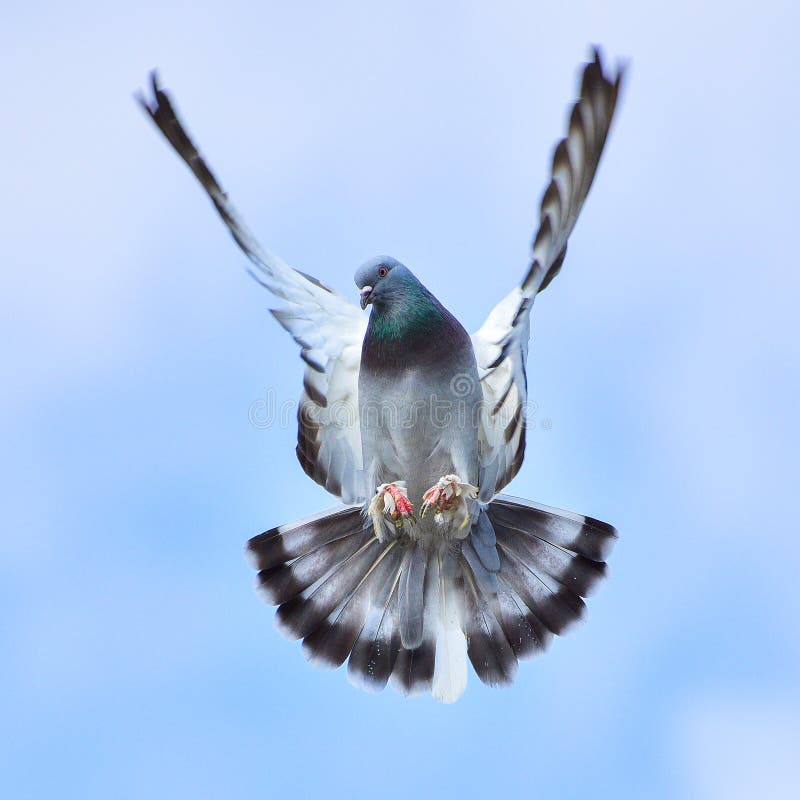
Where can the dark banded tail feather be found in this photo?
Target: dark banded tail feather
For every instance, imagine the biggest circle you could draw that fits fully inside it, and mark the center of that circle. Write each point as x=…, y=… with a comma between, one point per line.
x=525, y=632
x=332, y=642
x=489, y=650
x=574, y=532
x=303, y=614
x=556, y=608
x=375, y=651
x=287, y=542
x=414, y=668
x=550, y=560
x=281, y=583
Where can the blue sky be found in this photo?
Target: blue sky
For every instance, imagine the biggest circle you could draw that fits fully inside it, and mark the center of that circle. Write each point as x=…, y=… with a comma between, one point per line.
x=137, y=660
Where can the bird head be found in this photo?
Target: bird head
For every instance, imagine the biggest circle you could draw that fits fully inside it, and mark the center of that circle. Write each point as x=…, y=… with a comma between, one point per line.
x=382, y=280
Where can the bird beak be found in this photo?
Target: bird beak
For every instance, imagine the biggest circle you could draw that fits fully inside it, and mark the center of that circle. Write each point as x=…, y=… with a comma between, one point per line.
x=366, y=293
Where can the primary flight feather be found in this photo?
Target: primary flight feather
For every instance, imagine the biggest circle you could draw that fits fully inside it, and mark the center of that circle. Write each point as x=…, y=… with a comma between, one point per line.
x=416, y=427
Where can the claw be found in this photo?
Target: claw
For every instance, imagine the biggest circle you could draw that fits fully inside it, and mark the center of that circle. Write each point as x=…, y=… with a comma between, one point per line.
x=449, y=494
x=391, y=501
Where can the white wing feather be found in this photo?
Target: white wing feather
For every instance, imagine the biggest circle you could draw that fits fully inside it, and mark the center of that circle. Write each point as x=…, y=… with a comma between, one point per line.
x=328, y=328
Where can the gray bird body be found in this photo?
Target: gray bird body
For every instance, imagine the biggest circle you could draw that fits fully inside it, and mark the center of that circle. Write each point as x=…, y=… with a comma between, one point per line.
x=419, y=405
x=436, y=431
x=419, y=395
x=410, y=399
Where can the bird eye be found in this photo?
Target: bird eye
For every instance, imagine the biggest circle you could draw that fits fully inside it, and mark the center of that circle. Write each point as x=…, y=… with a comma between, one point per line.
x=382, y=272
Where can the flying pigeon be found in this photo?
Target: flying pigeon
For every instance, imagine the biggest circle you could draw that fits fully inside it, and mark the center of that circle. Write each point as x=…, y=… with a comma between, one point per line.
x=416, y=427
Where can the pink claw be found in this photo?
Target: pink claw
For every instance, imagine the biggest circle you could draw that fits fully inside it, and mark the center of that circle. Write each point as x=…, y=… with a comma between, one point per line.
x=391, y=500
x=403, y=507
x=449, y=493
x=435, y=497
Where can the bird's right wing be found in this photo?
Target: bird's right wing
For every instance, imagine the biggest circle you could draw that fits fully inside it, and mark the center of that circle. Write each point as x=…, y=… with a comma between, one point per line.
x=501, y=344
x=328, y=328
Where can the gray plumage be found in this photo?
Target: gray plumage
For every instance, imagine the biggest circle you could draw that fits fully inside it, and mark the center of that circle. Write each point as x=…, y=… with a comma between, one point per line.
x=416, y=423
x=410, y=401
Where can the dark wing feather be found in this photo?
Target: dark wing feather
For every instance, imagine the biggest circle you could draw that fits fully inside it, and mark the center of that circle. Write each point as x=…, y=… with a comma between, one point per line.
x=501, y=345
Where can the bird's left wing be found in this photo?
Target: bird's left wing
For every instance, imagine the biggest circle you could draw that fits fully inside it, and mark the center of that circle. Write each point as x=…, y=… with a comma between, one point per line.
x=501, y=344
x=328, y=328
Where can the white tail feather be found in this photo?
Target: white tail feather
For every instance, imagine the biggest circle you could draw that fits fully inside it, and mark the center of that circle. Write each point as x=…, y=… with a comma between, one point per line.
x=450, y=672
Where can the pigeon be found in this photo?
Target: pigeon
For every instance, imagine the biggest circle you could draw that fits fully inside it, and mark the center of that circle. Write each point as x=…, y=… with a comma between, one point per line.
x=416, y=427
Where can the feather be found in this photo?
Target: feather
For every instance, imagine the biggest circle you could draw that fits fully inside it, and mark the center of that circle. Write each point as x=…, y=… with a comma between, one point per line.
x=550, y=558
x=450, y=669
x=348, y=595
x=582, y=535
x=281, y=583
x=483, y=541
x=489, y=651
x=524, y=631
x=332, y=642
x=375, y=651
x=555, y=606
x=501, y=344
x=414, y=668
x=286, y=542
x=300, y=616
x=412, y=595
x=328, y=328
x=572, y=571
x=548, y=561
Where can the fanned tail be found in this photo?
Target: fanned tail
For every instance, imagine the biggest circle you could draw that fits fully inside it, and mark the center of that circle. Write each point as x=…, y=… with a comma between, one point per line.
x=548, y=561
x=348, y=595
x=402, y=611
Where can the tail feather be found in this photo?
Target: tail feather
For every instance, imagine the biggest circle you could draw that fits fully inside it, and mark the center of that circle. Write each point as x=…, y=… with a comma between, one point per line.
x=582, y=535
x=281, y=583
x=286, y=542
x=489, y=650
x=450, y=667
x=551, y=559
x=525, y=632
x=555, y=565
x=485, y=580
x=413, y=670
x=303, y=614
x=483, y=540
x=375, y=651
x=412, y=595
x=556, y=608
x=331, y=643
x=406, y=612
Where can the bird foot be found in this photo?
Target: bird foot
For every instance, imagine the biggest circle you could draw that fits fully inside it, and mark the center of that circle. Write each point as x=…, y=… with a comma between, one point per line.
x=448, y=498
x=391, y=503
